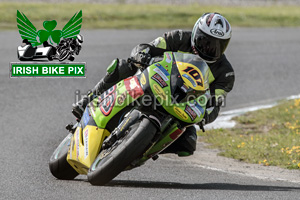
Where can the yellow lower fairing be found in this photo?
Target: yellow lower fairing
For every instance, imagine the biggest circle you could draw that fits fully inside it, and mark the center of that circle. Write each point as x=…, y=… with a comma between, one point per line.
x=85, y=146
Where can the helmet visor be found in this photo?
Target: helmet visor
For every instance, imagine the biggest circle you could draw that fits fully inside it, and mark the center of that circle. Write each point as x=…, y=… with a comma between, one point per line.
x=208, y=47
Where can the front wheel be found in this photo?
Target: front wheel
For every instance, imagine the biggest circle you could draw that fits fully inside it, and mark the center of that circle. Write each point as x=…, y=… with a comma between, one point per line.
x=58, y=164
x=63, y=54
x=112, y=161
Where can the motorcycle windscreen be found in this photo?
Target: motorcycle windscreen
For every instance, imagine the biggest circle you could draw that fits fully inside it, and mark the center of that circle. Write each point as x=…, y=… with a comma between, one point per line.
x=193, y=70
x=164, y=78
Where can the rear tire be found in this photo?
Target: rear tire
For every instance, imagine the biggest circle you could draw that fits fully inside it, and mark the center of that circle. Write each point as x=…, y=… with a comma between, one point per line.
x=111, y=162
x=58, y=164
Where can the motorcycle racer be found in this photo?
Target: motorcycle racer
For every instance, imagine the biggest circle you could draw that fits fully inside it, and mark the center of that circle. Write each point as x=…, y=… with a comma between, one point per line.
x=208, y=39
x=73, y=43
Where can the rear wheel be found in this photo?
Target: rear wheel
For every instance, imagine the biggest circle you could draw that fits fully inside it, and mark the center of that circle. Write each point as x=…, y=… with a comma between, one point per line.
x=112, y=161
x=58, y=164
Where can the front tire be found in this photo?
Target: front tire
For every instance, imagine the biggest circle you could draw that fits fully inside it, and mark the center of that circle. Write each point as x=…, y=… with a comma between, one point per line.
x=112, y=161
x=58, y=164
x=63, y=54
x=71, y=58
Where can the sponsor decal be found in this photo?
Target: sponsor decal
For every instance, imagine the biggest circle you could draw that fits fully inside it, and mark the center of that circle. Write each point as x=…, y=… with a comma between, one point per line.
x=86, y=117
x=158, y=79
x=86, y=142
x=159, y=92
x=133, y=87
x=194, y=73
x=190, y=79
x=197, y=108
x=72, y=147
x=133, y=84
x=180, y=113
x=184, y=88
x=143, y=79
x=121, y=98
x=161, y=70
x=106, y=93
x=217, y=32
x=168, y=59
x=175, y=134
x=191, y=113
x=77, y=144
x=107, y=104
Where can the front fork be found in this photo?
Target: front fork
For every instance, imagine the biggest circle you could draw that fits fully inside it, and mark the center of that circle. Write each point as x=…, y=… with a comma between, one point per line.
x=122, y=128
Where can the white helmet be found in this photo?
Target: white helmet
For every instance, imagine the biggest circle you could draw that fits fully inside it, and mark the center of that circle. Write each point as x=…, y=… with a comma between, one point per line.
x=79, y=39
x=210, y=36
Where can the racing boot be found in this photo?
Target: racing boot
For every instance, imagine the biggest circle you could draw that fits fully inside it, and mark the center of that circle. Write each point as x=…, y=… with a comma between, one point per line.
x=117, y=71
x=79, y=107
x=185, y=145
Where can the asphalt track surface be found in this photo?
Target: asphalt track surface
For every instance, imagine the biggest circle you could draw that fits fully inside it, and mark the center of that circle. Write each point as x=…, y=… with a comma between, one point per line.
x=34, y=112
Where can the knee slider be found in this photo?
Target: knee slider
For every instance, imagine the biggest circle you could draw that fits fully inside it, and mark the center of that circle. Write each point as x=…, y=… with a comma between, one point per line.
x=190, y=137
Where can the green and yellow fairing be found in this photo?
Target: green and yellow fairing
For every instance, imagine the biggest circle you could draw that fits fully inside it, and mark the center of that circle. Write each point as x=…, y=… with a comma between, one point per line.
x=89, y=136
x=194, y=72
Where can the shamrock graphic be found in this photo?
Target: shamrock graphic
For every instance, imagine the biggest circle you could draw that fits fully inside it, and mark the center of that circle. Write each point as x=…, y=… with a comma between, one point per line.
x=54, y=35
x=28, y=31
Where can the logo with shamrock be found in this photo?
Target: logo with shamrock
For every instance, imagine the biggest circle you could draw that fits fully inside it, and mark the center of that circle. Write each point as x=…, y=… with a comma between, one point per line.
x=28, y=31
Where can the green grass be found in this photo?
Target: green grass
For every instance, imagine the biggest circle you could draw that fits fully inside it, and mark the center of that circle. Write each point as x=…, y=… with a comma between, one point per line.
x=124, y=16
x=268, y=137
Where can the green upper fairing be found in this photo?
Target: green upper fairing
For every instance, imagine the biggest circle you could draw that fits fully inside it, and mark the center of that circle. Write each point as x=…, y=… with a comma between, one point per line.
x=167, y=103
x=120, y=97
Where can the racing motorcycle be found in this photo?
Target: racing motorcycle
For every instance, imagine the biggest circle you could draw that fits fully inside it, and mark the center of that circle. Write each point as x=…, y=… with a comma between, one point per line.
x=134, y=120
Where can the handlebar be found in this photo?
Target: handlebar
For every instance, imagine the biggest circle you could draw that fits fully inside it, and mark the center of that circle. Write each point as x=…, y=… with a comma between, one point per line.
x=131, y=60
